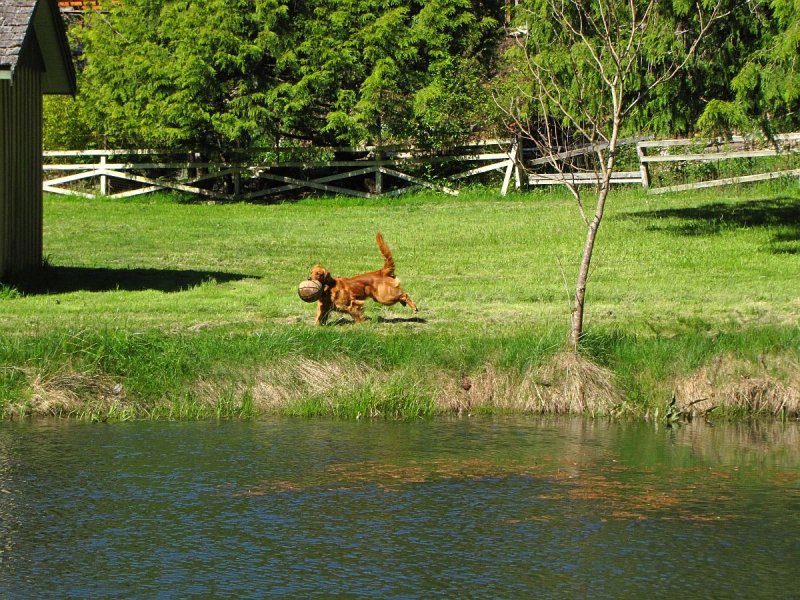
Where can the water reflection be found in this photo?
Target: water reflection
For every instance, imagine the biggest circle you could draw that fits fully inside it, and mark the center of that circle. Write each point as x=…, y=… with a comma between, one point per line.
x=467, y=508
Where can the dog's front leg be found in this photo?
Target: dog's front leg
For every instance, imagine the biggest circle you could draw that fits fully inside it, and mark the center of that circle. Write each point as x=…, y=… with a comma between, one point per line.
x=323, y=310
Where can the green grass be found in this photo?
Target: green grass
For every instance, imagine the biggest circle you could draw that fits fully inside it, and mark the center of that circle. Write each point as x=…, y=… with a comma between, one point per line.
x=188, y=308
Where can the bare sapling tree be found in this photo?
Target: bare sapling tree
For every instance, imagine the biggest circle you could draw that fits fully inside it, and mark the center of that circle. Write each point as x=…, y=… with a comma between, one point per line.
x=580, y=70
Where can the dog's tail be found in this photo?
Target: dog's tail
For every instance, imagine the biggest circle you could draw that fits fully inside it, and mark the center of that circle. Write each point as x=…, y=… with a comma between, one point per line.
x=388, y=260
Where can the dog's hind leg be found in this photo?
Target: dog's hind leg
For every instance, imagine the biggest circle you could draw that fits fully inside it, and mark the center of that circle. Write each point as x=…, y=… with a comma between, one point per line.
x=406, y=300
x=356, y=310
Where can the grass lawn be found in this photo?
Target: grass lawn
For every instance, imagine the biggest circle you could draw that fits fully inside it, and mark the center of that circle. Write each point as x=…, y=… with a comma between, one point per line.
x=154, y=307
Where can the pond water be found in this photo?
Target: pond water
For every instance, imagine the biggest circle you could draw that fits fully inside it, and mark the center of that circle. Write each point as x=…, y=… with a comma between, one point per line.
x=480, y=507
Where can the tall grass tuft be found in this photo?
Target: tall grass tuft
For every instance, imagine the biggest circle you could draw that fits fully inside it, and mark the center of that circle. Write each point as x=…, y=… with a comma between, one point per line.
x=89, y=396
x=735, y=386
x=565, y=383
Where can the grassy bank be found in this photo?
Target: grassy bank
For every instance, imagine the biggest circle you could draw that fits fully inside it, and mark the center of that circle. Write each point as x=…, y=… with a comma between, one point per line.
x=157, y=308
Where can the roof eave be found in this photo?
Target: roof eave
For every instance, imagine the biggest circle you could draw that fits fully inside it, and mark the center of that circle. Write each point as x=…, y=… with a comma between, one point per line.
x=59, y=76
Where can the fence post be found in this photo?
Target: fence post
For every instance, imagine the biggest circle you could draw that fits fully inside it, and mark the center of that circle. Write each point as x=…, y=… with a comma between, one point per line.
x=643, y=166
x=512, y=168
x=103, y=178
x=378, y=174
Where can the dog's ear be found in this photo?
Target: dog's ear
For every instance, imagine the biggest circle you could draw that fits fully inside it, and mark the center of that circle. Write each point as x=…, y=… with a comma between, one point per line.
x=316, y=273
x=321, y=274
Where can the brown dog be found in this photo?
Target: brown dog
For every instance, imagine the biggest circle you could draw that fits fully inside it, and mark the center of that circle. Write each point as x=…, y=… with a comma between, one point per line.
x=347, y=294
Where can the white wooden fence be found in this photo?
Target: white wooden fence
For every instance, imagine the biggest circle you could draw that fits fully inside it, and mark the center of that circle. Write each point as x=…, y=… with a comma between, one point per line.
x=717, y=150
x=374, y=172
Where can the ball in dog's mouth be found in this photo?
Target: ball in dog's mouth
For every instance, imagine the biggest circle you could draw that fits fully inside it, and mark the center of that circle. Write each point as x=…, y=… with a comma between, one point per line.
x=309, y=290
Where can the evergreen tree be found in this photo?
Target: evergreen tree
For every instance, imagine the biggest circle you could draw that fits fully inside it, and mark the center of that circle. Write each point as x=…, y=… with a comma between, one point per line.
x=232, y=74
x=765, y=91
x=224, y=75
x=674, y=107
x=183, y=74
x=389, y=70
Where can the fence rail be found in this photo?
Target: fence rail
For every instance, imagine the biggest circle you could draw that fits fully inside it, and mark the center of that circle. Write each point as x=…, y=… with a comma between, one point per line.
x=372, y=172
x=737, y=147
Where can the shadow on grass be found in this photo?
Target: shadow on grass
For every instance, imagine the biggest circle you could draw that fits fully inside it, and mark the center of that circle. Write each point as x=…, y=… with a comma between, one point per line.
x=401, y=320
x=779, y=214
x=347, y=321
x=61, y=280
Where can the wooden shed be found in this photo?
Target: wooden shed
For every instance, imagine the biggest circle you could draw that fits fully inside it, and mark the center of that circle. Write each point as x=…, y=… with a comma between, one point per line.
x=34, y=60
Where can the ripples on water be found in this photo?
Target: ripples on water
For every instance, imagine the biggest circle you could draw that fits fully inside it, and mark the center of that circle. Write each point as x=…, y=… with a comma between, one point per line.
x=458, y=508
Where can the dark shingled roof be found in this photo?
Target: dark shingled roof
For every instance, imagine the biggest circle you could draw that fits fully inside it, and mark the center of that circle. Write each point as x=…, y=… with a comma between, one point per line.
x=19, y=19
x=15, y=20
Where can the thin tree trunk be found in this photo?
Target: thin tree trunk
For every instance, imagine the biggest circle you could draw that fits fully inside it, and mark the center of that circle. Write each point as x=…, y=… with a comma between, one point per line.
x=576, y=329
x=583, y=273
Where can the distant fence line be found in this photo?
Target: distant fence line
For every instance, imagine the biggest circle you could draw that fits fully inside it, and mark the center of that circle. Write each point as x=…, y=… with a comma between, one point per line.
x=373, y=172
x=737, y=147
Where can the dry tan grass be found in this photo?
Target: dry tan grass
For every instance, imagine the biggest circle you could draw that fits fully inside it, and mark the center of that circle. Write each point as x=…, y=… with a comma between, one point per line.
x=278, y=385
x=70, y=393
x=577, y=385
x=769, y=386
x=567, y=383
x=274, y=387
